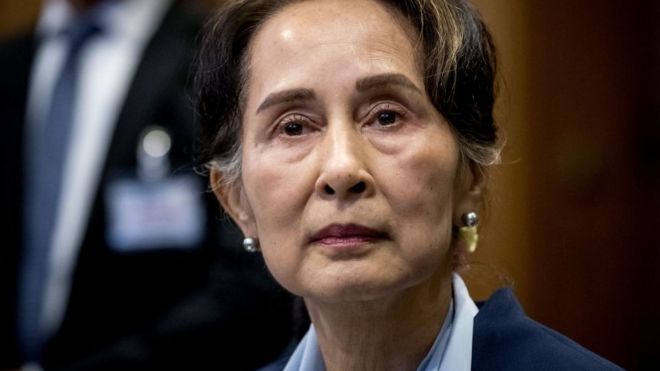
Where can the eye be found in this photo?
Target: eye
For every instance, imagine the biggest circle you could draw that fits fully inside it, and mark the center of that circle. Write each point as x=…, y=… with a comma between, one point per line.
x=293, y=129
x=294, y=125
x=387, y=117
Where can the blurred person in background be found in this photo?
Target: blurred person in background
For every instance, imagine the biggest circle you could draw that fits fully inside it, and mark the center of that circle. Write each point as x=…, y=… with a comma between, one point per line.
x=113, y=256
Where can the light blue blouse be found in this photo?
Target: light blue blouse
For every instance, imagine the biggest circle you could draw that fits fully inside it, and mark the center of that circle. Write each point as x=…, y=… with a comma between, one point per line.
x=451, y=351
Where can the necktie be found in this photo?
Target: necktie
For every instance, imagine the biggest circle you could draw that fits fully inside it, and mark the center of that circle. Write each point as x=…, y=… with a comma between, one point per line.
x=46, y=157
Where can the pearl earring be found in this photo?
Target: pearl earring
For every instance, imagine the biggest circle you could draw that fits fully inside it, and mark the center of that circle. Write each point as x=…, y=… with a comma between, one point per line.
x=250, y=244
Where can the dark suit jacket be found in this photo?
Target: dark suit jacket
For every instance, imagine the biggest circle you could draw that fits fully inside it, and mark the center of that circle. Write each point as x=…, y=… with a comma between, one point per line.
x=143, y=309
x=505, y=339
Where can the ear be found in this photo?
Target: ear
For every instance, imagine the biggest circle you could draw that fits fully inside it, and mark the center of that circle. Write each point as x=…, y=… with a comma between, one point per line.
x=233, y=201
x=470, y=186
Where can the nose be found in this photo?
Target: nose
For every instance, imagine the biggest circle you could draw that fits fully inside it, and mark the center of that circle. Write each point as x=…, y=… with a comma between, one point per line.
x=344, y=172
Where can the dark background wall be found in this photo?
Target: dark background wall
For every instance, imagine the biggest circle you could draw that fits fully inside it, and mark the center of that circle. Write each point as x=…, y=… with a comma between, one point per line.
x=576, y=204
x=574, y=210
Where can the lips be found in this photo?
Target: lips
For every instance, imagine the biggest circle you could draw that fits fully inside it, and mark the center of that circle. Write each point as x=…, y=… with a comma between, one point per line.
x=347, y=234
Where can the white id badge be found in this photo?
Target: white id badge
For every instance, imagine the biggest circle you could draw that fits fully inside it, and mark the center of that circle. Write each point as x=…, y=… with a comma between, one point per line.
x=167, y=213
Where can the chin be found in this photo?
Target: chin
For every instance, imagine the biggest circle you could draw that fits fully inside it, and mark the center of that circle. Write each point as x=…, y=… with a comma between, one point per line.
x=360, y=287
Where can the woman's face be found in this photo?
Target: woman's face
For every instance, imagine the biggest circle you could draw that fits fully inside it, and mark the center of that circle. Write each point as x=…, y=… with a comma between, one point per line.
x=350, y=177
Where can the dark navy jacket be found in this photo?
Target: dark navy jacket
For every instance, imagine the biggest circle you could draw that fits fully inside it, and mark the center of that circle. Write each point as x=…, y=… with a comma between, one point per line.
x=505, y=339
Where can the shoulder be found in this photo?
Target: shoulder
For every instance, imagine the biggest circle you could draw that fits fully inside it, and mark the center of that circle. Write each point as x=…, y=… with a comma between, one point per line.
x=506, y=339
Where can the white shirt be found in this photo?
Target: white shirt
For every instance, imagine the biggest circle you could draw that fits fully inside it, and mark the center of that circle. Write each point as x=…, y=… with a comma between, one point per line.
x=107, y=67
x=451, y=351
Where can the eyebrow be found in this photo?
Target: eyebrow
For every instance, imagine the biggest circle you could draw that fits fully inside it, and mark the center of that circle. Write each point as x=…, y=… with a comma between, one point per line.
x=367, y=83
x=379, y=81
x=286, y=96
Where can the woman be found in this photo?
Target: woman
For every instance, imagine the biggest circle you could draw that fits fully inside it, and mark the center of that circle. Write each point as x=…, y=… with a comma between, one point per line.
x=349, y=141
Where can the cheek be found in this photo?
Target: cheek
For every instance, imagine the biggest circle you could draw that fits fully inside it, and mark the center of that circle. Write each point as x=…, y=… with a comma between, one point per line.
x=274, y=187
x=423, y=182
x=277, y=193
x=421, y=194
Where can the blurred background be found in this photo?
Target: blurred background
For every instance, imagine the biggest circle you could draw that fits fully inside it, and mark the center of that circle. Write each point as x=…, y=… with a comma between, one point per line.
x=574, y=214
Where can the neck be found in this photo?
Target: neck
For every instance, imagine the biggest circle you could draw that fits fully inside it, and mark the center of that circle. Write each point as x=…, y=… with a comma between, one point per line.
x=393, y=333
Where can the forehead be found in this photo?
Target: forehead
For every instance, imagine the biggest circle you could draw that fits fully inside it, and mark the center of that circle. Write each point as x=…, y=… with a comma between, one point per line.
x=314, y=16
x=321, y=32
